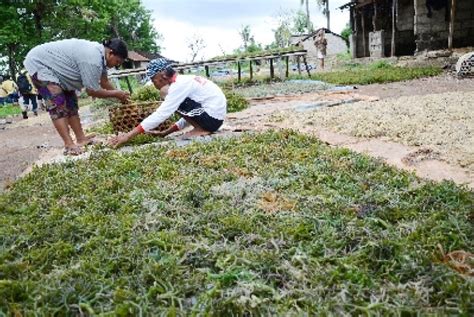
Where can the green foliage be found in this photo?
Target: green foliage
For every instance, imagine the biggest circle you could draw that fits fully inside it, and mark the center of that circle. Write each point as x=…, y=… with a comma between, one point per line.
x=380, y=72
x=381, y=64
x=301, y=25
x=235, y=102
x=104, y=128
x=9, y=110
x=266, y=224
x=26, y=24
x=146, y=93
x=346, y=32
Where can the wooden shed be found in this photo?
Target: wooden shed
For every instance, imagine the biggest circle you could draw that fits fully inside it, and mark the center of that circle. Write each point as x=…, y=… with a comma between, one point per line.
x=383, y=28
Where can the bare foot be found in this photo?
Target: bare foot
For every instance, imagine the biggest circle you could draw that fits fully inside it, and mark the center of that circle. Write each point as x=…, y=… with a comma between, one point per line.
x=89, y=140
x=72, y=151
x=195, y=133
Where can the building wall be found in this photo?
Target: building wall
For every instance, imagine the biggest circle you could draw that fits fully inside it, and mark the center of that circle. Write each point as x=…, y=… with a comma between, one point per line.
x=405, y=36
x=336, y=45
x=432, y=33
x=415, y=31
x=464, y=24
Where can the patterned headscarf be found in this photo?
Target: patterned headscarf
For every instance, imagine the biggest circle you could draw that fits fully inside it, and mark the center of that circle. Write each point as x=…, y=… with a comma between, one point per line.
x=157, y=65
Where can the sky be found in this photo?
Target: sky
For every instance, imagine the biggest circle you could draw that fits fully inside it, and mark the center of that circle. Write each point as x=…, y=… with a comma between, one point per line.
x=218, y=22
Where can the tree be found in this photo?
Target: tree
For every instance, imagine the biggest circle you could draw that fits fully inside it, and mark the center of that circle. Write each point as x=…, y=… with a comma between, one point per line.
x=283, y=31
x=300, y=23
x=308, y=18
x=325, y=11
x=26, y=24
x=246, y=36
x=196, y=45
x=346, y=32
x=248, y=41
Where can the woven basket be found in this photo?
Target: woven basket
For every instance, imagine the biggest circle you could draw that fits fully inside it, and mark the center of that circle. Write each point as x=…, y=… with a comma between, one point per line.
x=126, y=117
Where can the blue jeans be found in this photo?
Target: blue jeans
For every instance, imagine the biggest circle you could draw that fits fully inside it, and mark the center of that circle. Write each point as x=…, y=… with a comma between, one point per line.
x=12, y=98
x=30, y=97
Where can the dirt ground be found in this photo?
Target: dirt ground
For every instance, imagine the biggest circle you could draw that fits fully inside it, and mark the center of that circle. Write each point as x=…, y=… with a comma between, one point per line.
x=24, y=143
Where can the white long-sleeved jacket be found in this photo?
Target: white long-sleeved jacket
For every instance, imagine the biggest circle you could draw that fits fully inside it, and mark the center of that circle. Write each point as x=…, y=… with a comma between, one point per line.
x=196, y=88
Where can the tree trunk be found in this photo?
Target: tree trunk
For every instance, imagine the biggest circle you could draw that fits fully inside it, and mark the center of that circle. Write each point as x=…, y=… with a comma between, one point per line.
x=328, y=15
x=308, y=21
x=11, y=60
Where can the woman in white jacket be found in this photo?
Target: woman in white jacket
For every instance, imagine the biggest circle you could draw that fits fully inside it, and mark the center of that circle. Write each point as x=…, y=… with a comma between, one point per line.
x=198, y=101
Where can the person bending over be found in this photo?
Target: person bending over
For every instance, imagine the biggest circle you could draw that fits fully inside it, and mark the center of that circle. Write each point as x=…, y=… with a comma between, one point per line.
x=198, y=101
x=59, y=68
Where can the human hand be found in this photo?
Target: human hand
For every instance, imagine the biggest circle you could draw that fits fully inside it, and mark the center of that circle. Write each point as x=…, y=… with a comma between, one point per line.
x=118, y=140
x=123, y=96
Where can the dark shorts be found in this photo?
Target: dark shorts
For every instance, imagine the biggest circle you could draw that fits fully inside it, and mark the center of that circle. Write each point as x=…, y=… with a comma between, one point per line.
x=194, y=110
x=59, y=105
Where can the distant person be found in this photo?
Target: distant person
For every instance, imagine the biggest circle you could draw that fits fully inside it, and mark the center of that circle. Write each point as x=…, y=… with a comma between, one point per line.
x=321, y=46
x=10, y=89
x=60, y=68
x=198, y=101
x=3, y=93
x=28, y=94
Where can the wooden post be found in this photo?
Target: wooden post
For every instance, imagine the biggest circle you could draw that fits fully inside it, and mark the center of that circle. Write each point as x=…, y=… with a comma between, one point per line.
x=355, y=35
x=272, y=70
x=306, y=65
x=364, y=42
x=239, y=71
x=128, y=84
x=287, y=60
x=394, y=25
x=374, y=18
x=451, y=24
x=207, y=71
x=298, y=62
x=251, y=70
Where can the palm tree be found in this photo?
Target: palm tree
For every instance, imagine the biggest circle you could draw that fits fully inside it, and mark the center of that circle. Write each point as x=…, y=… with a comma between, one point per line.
x=308, y=21
x=326, y=11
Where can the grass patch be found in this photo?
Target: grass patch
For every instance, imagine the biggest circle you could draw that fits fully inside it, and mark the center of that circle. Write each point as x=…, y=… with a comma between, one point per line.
x=9, y=110
x=273, y=223
x=380, y=72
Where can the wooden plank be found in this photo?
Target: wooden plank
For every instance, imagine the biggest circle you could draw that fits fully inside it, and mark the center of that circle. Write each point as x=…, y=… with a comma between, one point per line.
x=451, y=24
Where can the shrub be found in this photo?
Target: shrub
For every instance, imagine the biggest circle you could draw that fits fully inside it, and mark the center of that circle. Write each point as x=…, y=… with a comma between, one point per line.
x=146, y=93
x=235, y=102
